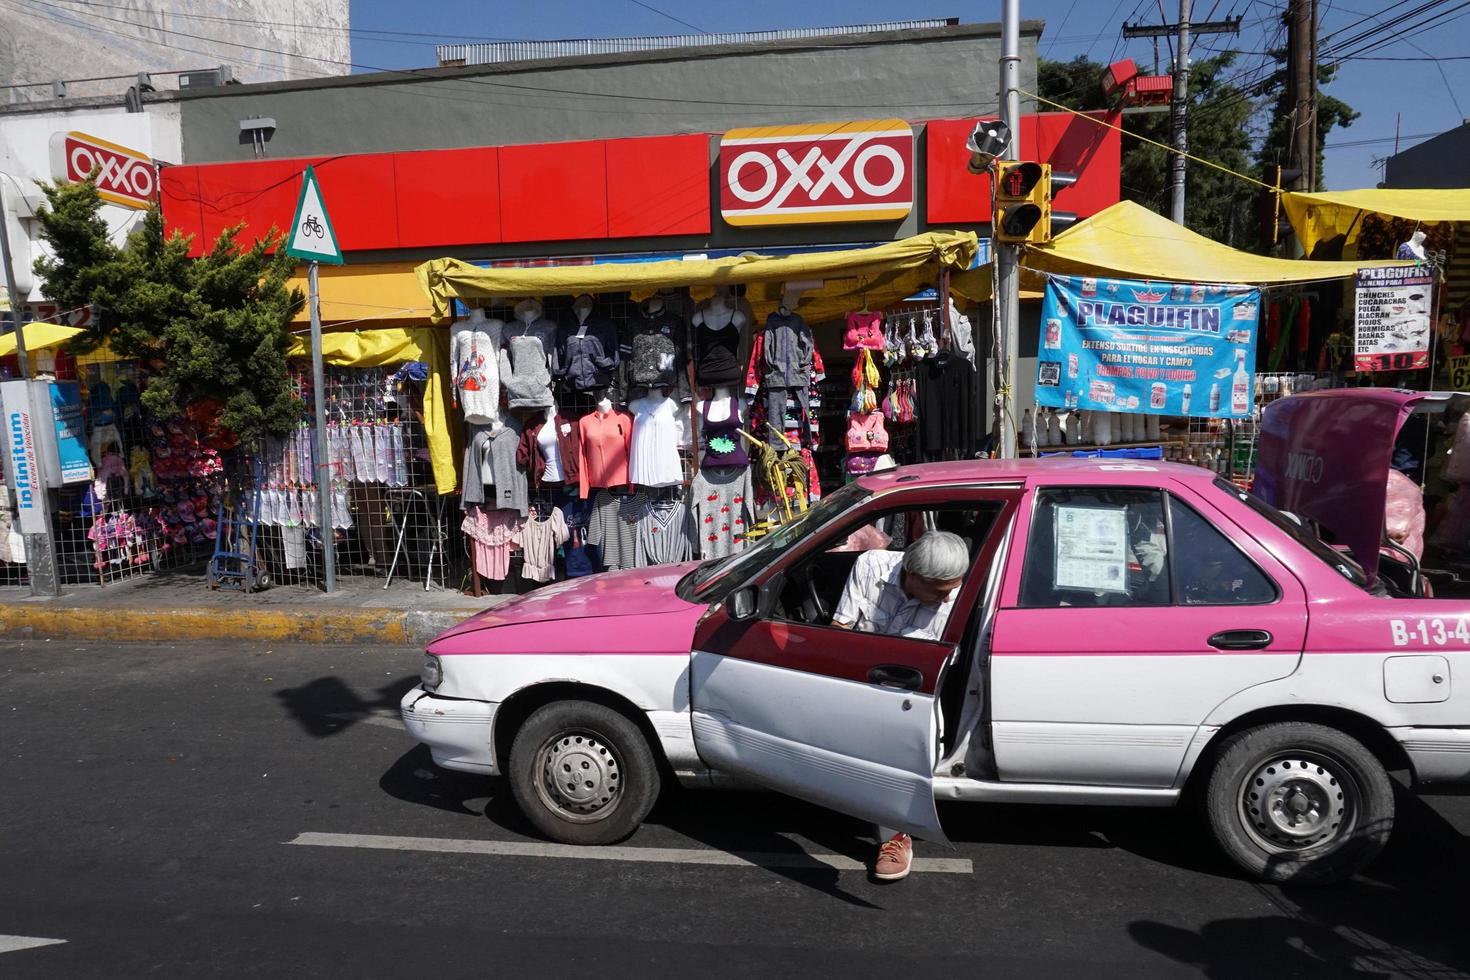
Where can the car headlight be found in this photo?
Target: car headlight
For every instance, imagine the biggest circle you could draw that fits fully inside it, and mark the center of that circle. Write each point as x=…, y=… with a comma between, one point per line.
x=431, y=673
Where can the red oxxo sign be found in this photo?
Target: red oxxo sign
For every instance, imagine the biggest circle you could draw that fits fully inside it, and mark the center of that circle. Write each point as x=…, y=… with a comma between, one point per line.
x=124, y=177
x=817, y=173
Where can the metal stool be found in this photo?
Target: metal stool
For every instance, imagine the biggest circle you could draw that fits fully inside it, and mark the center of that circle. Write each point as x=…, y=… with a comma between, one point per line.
x=407, y=497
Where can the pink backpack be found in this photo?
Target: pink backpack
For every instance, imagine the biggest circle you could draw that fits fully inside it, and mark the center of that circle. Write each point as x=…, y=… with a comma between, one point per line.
x=864, y=332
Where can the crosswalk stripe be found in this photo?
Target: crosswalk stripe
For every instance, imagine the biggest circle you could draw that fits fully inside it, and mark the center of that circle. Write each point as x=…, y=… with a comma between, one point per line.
x=11, y=944
x=656, y=855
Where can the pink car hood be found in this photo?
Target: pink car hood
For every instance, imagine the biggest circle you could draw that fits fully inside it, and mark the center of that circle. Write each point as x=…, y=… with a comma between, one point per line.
x=548, y=619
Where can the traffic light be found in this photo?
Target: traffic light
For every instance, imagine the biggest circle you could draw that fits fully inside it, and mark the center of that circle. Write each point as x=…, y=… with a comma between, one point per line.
x=1023, y=211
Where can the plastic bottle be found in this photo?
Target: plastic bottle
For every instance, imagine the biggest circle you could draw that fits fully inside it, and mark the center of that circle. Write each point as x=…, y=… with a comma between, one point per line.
x=1074, y=428
x=1102, y=428
x=1240, y=387
x=1184, y=401
x=1215, y=398
x=1028, y=431
x=1151, y=427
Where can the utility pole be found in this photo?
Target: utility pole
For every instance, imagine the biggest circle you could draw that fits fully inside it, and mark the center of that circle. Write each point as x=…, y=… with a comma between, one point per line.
x=1179, y=103
x=1299, y=62
x=1008, y=256
x=1312, y=97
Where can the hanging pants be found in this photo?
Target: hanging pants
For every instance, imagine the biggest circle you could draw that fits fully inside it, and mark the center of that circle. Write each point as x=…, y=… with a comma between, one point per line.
x=776, y=413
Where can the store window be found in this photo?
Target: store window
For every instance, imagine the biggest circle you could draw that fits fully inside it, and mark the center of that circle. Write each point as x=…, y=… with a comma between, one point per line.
x=1124, y=547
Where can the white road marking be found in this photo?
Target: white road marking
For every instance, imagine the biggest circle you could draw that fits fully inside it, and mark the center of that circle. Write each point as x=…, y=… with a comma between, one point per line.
x=655, y=855
x=10, y=944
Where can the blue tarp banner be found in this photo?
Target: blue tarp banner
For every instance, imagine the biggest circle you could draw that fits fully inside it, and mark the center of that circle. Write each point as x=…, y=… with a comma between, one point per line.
x=71, y=447
x=1162, y=348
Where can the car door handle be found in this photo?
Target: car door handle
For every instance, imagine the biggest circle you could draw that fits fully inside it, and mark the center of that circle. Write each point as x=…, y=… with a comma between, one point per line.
x=1241, y=640
x=896, y=676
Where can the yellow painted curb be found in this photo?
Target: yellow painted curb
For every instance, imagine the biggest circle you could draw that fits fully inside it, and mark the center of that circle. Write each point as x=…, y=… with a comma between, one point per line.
x=192, y=625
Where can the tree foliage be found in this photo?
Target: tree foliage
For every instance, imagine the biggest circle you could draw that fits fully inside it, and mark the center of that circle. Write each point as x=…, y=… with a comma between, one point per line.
x=216, y=327
x=1332, y=113
x=1217, y=205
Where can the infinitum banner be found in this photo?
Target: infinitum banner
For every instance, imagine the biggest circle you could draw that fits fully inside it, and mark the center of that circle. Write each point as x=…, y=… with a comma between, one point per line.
x=1164, y=348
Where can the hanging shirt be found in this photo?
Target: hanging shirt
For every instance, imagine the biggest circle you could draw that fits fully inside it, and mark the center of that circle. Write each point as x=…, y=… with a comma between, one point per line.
x=606, y=438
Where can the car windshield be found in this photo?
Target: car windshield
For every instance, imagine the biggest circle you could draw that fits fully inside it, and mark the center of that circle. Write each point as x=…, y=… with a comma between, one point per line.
x=713, y=580
x=1300, y=532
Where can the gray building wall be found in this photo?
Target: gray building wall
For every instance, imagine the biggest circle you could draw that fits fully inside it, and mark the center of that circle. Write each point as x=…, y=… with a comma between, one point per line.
x=913, y=74
x=1443, y=161
x=260, y=40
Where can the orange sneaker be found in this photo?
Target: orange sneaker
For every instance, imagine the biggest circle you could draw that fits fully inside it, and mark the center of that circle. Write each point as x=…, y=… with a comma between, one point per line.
x=895, y=858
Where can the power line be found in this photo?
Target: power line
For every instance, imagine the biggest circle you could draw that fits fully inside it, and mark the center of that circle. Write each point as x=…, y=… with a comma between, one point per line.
x=664, y=13
x=1060, y=27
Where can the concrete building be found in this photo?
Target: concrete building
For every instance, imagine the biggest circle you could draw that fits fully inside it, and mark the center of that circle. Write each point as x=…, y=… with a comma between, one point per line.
x=97, y=49
x=1443, y=161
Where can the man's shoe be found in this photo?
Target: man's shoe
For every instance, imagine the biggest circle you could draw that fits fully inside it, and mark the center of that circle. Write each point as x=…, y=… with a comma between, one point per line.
x=895, y=859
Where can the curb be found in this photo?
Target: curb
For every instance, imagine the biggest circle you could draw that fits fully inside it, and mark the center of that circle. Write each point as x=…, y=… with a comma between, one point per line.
x=302, y=624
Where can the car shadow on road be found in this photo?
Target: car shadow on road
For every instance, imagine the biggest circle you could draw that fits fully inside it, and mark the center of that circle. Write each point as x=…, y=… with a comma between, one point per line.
x=1402, y=917
x=327, y=705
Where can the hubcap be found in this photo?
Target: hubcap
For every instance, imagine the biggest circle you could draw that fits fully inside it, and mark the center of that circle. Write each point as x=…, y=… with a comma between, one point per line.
x=1294, y=802
x=581, y=776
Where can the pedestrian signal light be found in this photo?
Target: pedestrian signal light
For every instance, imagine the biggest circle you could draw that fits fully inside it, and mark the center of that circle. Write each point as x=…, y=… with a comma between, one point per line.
x=1023, y=196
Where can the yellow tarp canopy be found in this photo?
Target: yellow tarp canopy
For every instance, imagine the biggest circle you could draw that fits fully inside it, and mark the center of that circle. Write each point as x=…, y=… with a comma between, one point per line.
x=381, y=291
x=1326, y=215
x=1129, y=241
x=882, y=275
x=38, y=336
x=395, y=345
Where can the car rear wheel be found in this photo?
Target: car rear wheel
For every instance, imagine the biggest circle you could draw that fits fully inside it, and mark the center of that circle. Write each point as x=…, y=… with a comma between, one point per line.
x=1293, y=802
x=583, y=773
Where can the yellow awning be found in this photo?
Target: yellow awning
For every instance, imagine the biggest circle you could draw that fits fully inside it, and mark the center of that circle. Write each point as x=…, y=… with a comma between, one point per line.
x=39, y=336
x=1129, y=241
x=1326, y=215
x=882, y=274
x=382, y=291
x=374, y=348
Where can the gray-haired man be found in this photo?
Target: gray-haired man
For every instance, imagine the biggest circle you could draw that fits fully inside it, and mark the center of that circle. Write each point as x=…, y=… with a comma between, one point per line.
x=909, y=594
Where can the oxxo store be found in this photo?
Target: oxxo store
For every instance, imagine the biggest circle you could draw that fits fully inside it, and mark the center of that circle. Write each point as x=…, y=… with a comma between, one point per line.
x=502, y=296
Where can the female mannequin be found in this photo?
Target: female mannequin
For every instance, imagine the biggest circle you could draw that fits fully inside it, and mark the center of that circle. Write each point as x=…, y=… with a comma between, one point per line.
x=719, y=325
x=528, y=357
x=474, y=362
x=587, y=351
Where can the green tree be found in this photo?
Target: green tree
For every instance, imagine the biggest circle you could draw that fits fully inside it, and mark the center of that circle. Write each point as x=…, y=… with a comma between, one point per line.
x=216, y=327
x=1217, y=205
x=1332, y=113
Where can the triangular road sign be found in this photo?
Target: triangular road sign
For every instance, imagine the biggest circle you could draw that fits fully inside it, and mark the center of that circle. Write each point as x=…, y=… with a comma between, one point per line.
x=312, y=236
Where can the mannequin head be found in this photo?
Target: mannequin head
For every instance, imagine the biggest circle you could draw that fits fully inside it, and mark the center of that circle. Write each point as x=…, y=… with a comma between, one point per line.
x=528, y=311
x=477, y=315
x=582, y=307
x=604, y=404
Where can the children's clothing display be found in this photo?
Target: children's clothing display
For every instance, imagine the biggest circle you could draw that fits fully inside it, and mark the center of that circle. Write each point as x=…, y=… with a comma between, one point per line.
x=606, y=439
x=474, y=362
x=658, y=431
x=723, y=443
x=540, y=536
x=587, y=352
x=723, y=502
x=785, y=363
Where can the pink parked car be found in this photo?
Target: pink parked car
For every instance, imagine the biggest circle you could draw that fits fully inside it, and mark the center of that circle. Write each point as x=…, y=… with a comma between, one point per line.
x=1128, y=633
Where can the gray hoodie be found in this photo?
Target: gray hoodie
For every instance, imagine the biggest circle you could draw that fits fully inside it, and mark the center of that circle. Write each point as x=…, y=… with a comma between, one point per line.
x=786, y=350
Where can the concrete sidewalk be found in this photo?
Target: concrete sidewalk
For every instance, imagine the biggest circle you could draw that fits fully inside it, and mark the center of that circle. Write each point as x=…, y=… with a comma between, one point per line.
x=177, y=606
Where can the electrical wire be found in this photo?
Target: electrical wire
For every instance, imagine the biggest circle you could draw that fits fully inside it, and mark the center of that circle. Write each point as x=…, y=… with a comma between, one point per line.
x=1060, y=27
x=664, y=13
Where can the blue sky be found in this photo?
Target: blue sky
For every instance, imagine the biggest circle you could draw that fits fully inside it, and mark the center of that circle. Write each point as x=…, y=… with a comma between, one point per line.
x=1411, y=93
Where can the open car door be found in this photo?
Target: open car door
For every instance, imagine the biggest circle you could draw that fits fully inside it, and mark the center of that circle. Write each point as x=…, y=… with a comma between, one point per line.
x=844, y=719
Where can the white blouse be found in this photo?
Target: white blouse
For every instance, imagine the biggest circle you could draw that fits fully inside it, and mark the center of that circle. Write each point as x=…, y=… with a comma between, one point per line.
x=658, y=431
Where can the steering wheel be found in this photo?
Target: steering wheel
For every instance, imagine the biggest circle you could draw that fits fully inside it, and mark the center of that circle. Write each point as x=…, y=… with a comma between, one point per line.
x=817, y=606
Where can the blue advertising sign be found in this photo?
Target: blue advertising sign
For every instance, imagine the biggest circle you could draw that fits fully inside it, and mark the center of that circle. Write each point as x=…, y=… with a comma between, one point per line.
x=71, y=445
x=1157, y=347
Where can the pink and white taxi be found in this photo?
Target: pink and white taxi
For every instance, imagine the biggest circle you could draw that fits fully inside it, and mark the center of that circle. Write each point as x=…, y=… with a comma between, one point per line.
x=1129, y=633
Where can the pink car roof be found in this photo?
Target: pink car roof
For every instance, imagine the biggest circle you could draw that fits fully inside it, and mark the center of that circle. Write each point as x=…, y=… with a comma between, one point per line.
x=1031, y=471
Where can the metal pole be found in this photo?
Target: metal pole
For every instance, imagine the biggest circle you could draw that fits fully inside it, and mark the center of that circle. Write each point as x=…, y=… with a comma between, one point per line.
x=40, y=548
x=1180, y=121
x=323, y=461
x=5, y=260
x=1008, y=257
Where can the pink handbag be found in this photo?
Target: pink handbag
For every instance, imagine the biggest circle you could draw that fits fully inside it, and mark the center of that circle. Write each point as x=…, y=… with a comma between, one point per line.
x=866, y=433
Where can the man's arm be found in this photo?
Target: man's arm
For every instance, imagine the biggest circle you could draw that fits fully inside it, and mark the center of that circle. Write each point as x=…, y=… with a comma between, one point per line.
x=855, y=593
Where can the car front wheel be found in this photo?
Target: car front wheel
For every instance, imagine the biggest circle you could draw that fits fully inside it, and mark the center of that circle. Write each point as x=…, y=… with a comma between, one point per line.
x=583, y=773
x=1293, y=802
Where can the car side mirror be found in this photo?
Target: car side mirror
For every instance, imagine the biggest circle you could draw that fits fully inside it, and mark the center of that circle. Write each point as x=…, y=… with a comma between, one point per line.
x=744, y=603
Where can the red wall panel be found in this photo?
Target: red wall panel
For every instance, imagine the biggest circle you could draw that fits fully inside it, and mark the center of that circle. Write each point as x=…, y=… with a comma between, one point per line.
x=259, y=194
x=553, y=191
x=448, y=197
x=956, y=196
x=178, y=196
x=359, y=192
x=658, y=185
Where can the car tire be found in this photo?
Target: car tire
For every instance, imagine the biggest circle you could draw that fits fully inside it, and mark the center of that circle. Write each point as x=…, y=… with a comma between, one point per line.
x=583, y=773
x=1298, y=803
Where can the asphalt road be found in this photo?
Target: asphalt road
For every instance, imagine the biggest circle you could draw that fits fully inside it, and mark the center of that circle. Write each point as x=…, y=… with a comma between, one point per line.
x=148, y=795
